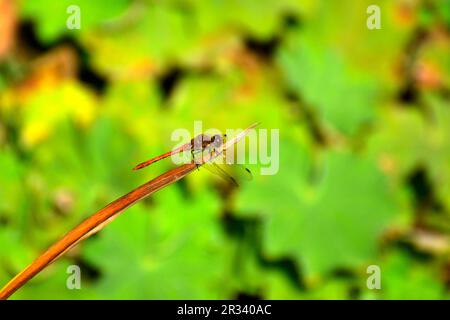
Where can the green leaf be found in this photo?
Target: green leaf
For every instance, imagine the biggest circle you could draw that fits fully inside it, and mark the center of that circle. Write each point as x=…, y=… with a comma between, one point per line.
x=340, y=97
x=50, y=106
x=12, y=188
x=405, y=140
x=51, y=17
x=326, y=218
x=404, y=278
x=51, y=284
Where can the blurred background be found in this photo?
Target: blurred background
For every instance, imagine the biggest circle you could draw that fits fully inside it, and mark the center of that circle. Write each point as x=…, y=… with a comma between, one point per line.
x=364, y=120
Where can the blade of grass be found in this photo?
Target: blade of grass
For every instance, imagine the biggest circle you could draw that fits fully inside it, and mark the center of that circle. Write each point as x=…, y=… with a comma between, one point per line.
x=104, y=216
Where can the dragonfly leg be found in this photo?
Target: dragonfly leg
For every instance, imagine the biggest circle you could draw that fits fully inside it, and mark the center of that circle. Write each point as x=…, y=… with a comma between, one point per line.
x=193, y=159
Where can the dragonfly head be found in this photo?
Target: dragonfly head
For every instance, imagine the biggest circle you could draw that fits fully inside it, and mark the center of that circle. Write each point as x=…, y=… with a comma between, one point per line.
x=217, y=140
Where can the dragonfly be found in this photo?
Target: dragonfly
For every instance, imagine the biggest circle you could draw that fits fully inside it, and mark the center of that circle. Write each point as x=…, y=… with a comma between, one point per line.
x=197, y=147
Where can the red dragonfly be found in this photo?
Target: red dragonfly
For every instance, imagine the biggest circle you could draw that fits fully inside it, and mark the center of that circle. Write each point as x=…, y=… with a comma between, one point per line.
x=205, y=143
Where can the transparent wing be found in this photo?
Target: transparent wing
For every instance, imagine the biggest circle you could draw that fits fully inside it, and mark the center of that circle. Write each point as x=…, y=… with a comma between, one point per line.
x=235, y=169
x=232, y=173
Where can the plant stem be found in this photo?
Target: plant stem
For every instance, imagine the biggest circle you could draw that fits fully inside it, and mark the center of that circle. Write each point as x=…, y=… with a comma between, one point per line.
x=93, y=224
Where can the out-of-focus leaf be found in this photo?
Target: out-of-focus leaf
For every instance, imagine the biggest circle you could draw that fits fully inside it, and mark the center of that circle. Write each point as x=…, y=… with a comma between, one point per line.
x=142, y=120
x=406, y=140
x=325, y=218
x=52, y=284
x=399, y=141
x=342, y=98
x=189, y=32
x=87, y=168
x=50, y=106
x=15, y=253
x=247, y=15
x=230, y=102
x=152, y=39
x=438, y=153
x=403, y=278
x=341, y=28
x=51, y=17
x=12, y=187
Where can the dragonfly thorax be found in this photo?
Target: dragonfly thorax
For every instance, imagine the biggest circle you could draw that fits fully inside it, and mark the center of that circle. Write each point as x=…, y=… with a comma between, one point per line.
x=203, y=141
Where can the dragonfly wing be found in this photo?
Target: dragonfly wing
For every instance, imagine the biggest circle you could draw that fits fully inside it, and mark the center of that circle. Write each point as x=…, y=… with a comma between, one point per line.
x=230, y=172
x=217, y=170
x=236, y=169
x=241, y=171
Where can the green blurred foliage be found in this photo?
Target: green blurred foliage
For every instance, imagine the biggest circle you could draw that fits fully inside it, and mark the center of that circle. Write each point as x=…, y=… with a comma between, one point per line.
x=364, y=158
